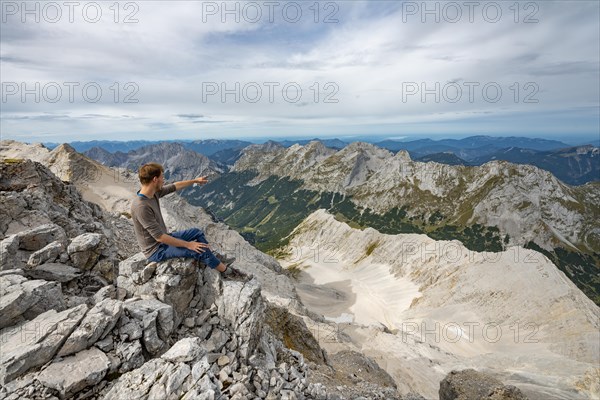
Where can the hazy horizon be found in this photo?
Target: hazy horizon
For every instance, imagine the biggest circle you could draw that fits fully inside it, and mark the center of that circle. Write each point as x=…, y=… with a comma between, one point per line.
x=570, y=140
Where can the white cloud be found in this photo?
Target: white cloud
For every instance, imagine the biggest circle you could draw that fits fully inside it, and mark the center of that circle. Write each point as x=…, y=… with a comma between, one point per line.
x=370, y=55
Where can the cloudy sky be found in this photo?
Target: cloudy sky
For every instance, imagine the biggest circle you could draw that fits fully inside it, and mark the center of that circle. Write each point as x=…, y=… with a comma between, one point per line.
x=197, y=70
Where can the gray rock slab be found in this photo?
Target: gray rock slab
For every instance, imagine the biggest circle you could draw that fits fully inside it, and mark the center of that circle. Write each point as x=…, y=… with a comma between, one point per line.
x=185, y=350
x=54, y=272
x=49, y=253
x=74, y=373
x=39, y=237
x=34, y=343
x=98, y=322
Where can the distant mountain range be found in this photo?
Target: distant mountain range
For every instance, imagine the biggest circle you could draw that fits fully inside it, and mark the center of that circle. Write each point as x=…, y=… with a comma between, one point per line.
x=271, y=189
x=468, y=147
x=573, y=165
x=424, y=146
x=205, y=147
x=331, y=143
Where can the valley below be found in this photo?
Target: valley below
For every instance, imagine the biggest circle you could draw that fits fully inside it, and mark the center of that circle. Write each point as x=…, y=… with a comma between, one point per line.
x=422, y=308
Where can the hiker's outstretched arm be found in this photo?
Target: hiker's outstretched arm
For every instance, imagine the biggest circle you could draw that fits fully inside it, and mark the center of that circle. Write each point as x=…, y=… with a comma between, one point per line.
x=183, y=184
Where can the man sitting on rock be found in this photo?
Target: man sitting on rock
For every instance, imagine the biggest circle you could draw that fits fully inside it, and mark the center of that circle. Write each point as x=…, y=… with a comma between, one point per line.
x=151, y=231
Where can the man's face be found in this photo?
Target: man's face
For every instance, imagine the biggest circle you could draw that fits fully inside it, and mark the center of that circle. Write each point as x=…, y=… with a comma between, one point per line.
x=159, y=182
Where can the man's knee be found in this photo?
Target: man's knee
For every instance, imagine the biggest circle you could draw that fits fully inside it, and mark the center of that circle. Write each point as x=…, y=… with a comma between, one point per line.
x=199, y=235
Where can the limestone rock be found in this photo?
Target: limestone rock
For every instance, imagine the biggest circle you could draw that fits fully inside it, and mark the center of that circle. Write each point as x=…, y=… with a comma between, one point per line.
x=132, y=330
x=106, y=344
x=20, y=298
x=83, y=250
x=109, y=292
x=84, y=242
x=470, y=384
x=173, y=281
x=131, y=355
x=185, y=350
x=165, y=317
x=77, y=372
x=54, y=272
x=159, y=379
x=48, y=253
x=152, y=342
x=39, y=237
x=8, y=253
x=28, y=345
x=242, y=306
x=98, y=322
x=50, y=297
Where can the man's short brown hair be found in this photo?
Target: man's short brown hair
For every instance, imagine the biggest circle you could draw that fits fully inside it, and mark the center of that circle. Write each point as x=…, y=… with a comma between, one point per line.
x=149, y=171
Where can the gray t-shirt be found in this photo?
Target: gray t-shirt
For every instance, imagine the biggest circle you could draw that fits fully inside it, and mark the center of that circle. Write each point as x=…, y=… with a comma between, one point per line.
x=148, y=222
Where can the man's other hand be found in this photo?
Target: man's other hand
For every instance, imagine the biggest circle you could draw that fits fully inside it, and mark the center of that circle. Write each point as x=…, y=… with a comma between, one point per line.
x=198, y=247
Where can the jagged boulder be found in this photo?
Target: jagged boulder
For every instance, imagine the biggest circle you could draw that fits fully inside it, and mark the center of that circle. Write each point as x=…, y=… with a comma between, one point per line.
x=84, y=250
x=48, y=253
x=242, y=307
x=75, y=373
x=9, y=258
x=172, y=281
x=98, y=322
x=17, y=247
x=150, y=320
x=24, y=299
x=185, y=350
x=130, y=355
x=41, y=236
x=161, y=379
x=54, y=272
x=470, y=385
x=34, y=343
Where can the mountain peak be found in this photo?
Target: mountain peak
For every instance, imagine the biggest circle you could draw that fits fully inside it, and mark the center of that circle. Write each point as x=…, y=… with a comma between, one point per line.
x=403, y=156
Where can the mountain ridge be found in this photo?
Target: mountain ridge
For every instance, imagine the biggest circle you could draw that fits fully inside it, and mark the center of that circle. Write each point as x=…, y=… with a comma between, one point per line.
x=491, y=206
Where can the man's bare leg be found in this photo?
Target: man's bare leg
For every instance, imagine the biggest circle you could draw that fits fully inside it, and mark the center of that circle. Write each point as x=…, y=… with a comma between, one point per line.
x=221, y=267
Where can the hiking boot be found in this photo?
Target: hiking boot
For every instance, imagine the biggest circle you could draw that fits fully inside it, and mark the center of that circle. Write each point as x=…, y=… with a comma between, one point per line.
x=236, y=274
x=225, y=259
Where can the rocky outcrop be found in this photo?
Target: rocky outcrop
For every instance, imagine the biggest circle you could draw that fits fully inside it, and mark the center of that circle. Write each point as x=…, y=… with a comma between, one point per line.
x=43, y=220
x=54, y=272
x=292, y=330
x=171, y=282
x=44, y=241
x=470, y=384
x=209, y=343
x=84, y=250
x=48, y=253
x=98, y=323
